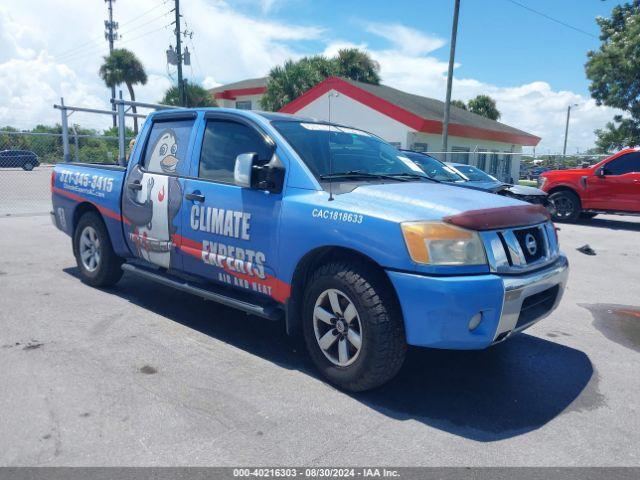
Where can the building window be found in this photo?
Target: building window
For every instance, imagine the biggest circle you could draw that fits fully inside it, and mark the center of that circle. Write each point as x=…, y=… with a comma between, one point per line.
x=493, y=165
x=460, y=155
x=482, y=159
x=243, y=104
x=420, y=147
x=506, y=167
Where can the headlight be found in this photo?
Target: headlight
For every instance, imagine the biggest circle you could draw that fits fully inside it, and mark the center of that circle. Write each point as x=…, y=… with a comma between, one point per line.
x=437, y=243
x=541, y=181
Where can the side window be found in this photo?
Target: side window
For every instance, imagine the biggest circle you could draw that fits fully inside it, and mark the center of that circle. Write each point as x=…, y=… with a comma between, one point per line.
x=223, y=142
x=625, y=164
x=166, y=150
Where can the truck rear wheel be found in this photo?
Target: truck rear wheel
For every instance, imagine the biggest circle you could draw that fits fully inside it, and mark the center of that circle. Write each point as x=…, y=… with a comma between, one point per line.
x=566, y=206
x=98, y=264
x=352, y=326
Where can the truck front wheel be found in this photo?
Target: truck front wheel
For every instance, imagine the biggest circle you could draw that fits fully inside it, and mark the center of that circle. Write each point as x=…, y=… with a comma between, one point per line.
x=566, y=206
x=98, y=264
x=352, y=326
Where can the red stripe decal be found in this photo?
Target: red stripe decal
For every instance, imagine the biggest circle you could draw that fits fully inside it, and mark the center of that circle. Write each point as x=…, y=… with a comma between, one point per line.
x=280, y=291
x=502, y=217
x=107, y=212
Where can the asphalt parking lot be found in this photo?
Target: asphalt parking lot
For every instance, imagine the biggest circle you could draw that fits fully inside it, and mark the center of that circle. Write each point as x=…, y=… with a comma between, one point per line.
x=143, y=375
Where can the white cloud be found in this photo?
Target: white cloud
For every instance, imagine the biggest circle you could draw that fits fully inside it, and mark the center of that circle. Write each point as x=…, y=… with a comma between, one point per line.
x=533, y=107
x=406, y=40
x=47, y=53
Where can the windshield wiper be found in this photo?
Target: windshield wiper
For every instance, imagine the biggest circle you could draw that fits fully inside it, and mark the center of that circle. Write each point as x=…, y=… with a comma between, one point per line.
x=413, y=175
x=401, y=177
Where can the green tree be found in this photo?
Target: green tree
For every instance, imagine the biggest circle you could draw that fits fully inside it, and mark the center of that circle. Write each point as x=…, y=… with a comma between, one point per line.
x=122, y=66
x=113, y=132
x=196, y=96
x=485, y=106
x=289, y=81
x=459, y=104
x=614, y=72
x=356, y=65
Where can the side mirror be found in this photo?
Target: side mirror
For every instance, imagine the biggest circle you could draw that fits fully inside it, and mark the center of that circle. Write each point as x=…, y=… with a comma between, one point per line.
x=600, y=172
x=243, y=169
x=248, y=173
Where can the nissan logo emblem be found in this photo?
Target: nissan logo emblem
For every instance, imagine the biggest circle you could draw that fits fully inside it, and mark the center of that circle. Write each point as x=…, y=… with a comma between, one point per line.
x=531, y=244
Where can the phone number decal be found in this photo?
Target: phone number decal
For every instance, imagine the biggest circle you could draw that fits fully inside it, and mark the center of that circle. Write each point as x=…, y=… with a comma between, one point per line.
x=337, y=216
x=86, y=180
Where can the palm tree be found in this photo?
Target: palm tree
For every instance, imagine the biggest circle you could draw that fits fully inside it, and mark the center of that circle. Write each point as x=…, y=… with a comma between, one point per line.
x=197, y=96
x=291, y=80
x=357, y=65
x=485, y=106
x=288, y=82
x=122, y=66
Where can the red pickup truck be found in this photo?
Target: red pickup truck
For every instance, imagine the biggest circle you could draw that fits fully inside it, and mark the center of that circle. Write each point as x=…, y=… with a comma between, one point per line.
x=611, y=186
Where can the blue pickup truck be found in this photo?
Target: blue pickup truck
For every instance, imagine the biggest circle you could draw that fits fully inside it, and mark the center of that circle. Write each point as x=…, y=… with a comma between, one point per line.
x=324, y=227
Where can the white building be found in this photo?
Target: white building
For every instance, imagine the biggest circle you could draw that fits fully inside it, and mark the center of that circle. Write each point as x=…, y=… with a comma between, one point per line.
x=405, y=120
x=245, y=94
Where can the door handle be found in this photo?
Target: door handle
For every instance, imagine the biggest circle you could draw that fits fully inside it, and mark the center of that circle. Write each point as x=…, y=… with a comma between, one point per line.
x=135, y=185
x=194, y=197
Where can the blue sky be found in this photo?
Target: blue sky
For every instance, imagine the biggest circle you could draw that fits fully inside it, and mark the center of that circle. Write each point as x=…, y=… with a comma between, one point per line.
x=532, y=66
x=498, y=42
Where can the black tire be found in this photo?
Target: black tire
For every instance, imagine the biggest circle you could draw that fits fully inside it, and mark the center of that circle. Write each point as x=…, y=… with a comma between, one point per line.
x=383, y=345
x=566, y=206
x=108, y=269
x=28, y=166
x=588, y=215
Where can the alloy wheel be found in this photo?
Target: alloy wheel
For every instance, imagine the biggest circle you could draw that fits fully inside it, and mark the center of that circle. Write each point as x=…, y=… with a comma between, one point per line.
x=90, y=250
x=337, y=327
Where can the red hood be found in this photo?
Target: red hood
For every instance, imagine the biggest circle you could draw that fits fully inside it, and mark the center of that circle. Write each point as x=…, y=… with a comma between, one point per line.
x=569, y=171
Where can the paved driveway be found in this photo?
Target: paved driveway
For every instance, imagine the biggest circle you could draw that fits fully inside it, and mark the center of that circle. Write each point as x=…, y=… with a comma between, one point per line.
x=143, y=375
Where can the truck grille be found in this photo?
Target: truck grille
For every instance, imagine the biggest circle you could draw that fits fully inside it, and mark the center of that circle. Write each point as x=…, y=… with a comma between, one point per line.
x=519, y=250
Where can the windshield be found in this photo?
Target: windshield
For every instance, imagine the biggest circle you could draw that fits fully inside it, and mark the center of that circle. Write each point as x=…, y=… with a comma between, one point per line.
x=331, y=149
x=434, y=168
x=475, y=174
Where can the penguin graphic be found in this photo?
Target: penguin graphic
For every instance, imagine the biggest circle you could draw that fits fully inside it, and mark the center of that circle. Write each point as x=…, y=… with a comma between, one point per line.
x=152, y=209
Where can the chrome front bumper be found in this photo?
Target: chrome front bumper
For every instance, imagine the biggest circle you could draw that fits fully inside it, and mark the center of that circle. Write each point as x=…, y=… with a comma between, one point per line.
x=545, y=285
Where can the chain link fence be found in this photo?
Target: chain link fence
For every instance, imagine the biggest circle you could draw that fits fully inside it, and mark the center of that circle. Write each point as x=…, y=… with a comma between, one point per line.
x=26, y=161
x=27, y=158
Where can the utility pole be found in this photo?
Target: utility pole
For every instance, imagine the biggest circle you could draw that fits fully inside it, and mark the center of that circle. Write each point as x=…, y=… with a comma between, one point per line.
x=566, y=129
x=183, y=100
x=111, y=34
x=447, y=102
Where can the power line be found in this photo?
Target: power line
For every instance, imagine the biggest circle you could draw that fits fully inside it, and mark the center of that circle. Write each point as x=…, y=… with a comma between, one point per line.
x=98, y=40
x=95, y=48
x=90, y=54
x=548, y=17
x=145, y=13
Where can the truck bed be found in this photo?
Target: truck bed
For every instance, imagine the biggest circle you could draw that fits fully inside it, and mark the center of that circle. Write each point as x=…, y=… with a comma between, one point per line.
x=78, y=186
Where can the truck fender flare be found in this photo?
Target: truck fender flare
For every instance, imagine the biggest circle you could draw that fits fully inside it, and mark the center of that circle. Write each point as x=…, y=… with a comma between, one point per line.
x=307, y=265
